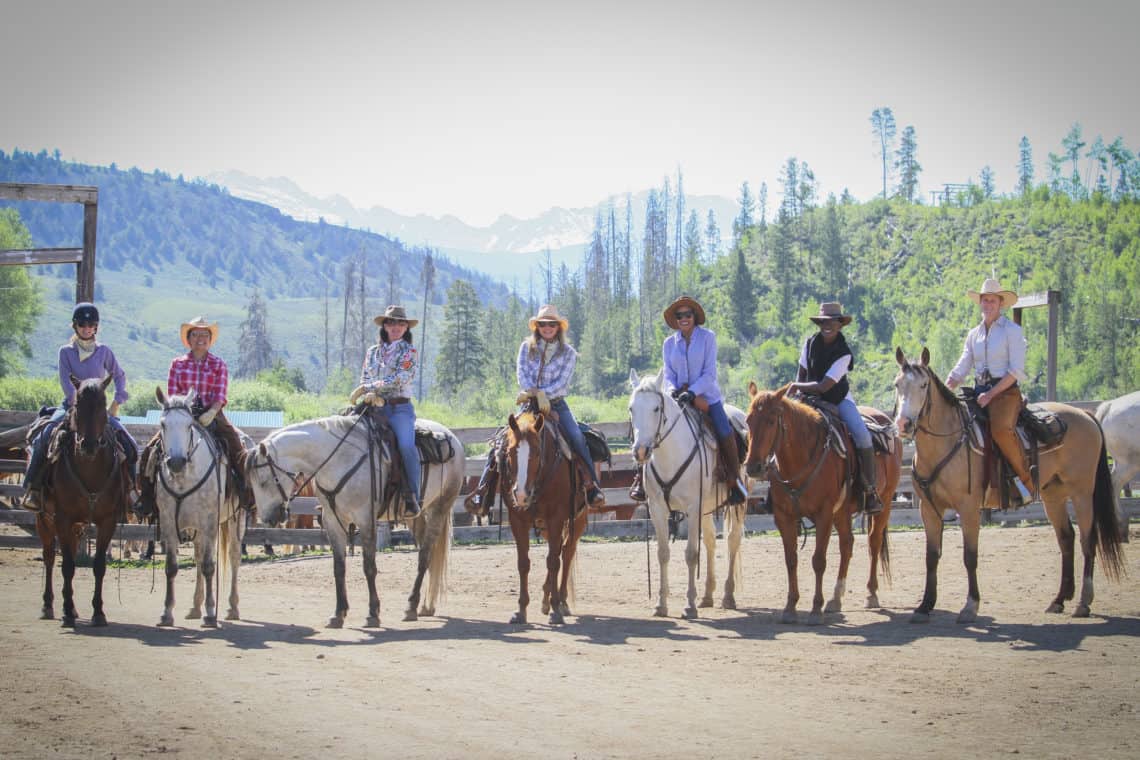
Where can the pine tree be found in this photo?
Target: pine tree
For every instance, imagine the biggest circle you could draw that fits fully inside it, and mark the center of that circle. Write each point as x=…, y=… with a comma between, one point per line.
x=743, y=221
x=743, y=298
x=461, y=360
x=987, y=182
x=907, y=165
x=712, y=237
x=255, y=352
x=835, y=262
x=762, y=206
x=883, y=129
x=1073, y=144
x=427, y=279
x=1024, y=167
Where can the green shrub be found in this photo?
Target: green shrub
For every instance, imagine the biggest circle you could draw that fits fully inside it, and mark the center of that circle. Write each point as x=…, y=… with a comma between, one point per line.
x=28, y=394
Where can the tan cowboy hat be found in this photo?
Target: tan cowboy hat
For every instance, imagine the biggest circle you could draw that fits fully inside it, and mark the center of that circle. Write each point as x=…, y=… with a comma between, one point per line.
x=698, y=311
x=831, y=310
x=548, y=313
x=993, y=287
x=199, y=323
x=396, y=312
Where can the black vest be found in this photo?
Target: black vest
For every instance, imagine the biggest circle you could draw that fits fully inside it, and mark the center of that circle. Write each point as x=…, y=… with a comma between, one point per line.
x=820, y=357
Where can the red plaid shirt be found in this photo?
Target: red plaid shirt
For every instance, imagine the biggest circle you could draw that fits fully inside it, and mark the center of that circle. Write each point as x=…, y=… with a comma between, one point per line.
x=209, y=378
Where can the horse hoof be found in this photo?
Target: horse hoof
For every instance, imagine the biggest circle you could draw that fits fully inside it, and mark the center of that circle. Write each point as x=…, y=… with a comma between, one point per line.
x=815, y=618
x=789, y=618
x=99, y=621
x=427, y=611
x=410, y=616
x=1082, y=611
x=661, y=611
x=67, y=622
x=556, y=618
x=1056, y=608
x=519, y=618
x=965, y=617
x=546, y=608
x=690, y=613
x=564, y=608
x=372, y=622
x=334, y=622
x=920, y=617
x=728, y=603
x=233, y=615
x=706, y=602
x=834, y=606
x=47, y=613
x=873, y=602
x=166, y=621
x=193, y=614
x=210, y=622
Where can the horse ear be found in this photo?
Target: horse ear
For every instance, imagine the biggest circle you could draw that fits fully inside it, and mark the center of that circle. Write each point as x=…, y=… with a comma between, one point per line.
x=659, y=381
x=74, y=381
x=900, y=357
x=191, y=397
x=753, y=391
x=514, y=424
x=780, y=393
x=925, y=356
x=634, y=378
x=261, y=449
x=538, y=423
x=159, y=396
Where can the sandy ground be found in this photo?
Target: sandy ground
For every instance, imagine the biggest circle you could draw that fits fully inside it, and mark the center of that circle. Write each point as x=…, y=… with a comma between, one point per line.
x=613, y=682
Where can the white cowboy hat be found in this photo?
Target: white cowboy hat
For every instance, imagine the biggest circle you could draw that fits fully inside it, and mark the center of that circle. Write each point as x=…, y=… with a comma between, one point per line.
x=993, y=287
x=548, y=313
x=395, y=312
x=199, y=323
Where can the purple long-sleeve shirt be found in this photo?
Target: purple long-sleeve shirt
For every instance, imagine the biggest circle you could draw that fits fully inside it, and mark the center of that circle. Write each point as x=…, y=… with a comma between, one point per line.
x=98, y=366
x=692, y=364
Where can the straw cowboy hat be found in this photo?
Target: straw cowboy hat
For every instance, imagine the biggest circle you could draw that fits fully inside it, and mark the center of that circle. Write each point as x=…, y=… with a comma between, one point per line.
x=396, y=312
x=548, y=313
x=199, y=323
x=831, y=310
x=698, y=311
x=993, y=287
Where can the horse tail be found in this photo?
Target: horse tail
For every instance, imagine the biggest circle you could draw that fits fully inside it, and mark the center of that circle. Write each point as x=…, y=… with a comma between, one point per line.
x=1106, y=528
x=885, y=554
x=440, y=551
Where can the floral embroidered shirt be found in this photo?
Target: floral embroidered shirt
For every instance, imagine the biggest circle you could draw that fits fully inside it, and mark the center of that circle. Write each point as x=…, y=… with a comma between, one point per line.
x=389, y=369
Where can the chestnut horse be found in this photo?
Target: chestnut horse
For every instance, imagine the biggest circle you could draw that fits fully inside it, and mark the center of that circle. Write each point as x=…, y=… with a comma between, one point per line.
x=949, y=472
x=85, y=485
x=542, y=490
x=808, y=478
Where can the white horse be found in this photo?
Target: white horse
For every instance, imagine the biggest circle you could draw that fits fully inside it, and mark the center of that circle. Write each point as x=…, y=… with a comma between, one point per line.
x=1120, y=420
x=679, y=463
x=190, y=490
x=351, y=471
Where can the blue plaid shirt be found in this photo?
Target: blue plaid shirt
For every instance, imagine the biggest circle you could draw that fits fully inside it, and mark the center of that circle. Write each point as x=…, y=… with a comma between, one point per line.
x=555, y=375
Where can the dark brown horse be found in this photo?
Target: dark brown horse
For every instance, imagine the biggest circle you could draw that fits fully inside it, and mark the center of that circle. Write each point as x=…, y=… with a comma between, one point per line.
x=808, y=478
x=84, y=485
x=541, y=488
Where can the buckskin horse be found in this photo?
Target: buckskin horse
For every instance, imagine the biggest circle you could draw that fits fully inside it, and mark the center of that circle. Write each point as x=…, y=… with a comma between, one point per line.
x=542, y=491
x=808, y=478
x=86, y=484
x=680, y=457
x=341, y=457
x=948, y=472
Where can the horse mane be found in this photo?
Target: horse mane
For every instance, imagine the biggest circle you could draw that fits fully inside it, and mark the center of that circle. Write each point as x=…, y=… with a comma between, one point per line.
x=337, y=424
x=943, y=390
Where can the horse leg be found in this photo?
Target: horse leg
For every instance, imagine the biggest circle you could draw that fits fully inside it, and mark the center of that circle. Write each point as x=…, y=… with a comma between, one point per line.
x=99, y=566
x=521, y=529
x=209, y=568
x=971, y=522
x=788, y=534
x=876, y=535
x=368, y=554
x=68, y=546
x=660, y=517
x=708, y=535
x=819, y=566
x=734, y=527
x=425, y=539
x=170, y=541
x=692, y=560
x=1058, y=516
x=232, y=531
x=932, y=525
x=46, y=532
x=339, y=541
x=846, y=547
x=556, y=542
x=195, y=611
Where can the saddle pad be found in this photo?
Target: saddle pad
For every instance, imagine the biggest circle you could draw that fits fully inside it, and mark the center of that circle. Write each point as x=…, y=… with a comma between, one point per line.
x=434, y=447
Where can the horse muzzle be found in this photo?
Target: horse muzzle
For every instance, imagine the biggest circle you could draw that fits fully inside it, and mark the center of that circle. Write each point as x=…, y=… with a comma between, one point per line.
x=642, y=453
x=905, y=427
x=176, y=464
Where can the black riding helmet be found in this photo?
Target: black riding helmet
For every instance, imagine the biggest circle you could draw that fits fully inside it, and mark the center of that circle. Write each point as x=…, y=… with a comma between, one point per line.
x=84, y=312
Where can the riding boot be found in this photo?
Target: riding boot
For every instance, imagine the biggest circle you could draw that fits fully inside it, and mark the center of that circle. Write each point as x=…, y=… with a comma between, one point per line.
x=736, y=492
x=594, y=495
x=867, y=472
x=482, y=499
x=411, y=505
x=637, y=488
x=34, y=475
x=145, y=507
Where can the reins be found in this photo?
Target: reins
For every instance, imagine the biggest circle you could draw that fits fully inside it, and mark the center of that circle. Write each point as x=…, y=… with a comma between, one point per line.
x=926, y=483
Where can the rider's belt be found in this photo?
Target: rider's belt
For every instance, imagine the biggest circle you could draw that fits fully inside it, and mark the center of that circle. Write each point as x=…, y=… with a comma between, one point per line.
x=397, y=400
x=554, y=400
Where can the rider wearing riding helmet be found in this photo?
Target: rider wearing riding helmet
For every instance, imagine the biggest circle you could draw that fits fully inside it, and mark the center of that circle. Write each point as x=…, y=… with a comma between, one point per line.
x=689, y=357
x=84, y=358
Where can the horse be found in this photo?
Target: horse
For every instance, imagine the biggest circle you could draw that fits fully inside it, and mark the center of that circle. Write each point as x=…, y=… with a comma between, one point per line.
x=808, y=478
x=541, y=488
x=86, y=484
x=949, y=472
x=679, y=458
x=350, y=470
x=192, y=499
x=1120, y=420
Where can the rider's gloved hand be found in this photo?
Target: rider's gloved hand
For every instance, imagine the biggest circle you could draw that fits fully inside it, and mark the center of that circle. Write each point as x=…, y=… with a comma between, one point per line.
x=357, y=393
x=685, y=397
x=206, y=417
x=543, y=402
x=523, y=397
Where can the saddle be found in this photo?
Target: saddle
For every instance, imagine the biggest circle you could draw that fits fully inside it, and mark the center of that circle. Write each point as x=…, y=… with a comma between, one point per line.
x=708, y=432
x=883, y=437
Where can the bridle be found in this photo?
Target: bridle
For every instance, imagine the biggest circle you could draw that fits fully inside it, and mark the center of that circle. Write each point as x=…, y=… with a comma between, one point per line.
x=806, y=477
x=660, y=434
x=963, y=432
x=105, y=441
x=197, y=435
x=536, y=485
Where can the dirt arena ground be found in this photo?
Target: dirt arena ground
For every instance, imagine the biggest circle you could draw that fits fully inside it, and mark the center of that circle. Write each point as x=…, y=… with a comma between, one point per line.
x=613, y=682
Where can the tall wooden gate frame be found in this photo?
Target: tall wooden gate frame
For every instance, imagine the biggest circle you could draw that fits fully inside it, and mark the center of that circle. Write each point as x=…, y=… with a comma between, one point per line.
x=83, y=258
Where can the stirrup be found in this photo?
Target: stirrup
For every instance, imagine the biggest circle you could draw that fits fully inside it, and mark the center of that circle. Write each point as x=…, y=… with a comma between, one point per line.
x=737, y=494
x=596, y=497
x=872, y=506
x=33, y=500
x=411, y=507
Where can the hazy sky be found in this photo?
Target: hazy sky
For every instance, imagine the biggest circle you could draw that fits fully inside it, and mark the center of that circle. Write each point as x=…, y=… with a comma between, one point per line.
x=482, y=108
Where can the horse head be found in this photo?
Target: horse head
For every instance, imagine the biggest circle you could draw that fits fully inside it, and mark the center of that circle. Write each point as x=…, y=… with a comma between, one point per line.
x=176, y=426
x=765, y=423
x=650, y=408
x=912, y=391
x=90, y=413
x=264, y=477
x=524, y=456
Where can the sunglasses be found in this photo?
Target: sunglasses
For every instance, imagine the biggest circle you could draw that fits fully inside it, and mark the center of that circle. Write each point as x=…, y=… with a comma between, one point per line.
x=683, y=314
x=86, y=323
x=544, y=323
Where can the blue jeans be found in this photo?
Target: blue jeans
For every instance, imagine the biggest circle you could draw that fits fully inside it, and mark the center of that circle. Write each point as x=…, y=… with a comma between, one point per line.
x=719, y=420
x=402, y=419
x=849, y=413
x=569, y=427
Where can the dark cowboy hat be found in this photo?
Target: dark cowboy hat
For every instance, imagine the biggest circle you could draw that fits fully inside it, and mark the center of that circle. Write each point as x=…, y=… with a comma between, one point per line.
x=831, y=310
x=396, y=312
x=698, y=311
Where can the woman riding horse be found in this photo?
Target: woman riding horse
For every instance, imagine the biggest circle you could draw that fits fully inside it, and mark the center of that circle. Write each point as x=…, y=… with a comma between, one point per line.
x=825, y=361
x=386, y=384
x=689, y=357
x=995, y=351
x=206, y=374
x=83, y=358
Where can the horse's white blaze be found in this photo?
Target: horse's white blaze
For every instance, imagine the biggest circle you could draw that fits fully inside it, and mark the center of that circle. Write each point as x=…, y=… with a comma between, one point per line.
x=910, y=401
x=524, y=471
